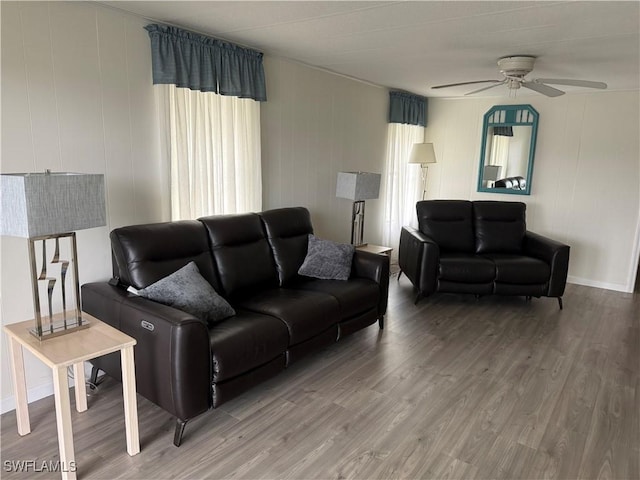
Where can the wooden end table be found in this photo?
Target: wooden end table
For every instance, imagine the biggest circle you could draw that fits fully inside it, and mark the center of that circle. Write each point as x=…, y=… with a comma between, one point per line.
x=377, y=249
x=58, y=353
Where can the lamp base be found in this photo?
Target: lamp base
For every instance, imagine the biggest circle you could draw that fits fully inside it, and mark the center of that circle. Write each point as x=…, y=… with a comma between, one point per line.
x=424, y=170
x=68, y=320
x=60, y=327
x=357, y=223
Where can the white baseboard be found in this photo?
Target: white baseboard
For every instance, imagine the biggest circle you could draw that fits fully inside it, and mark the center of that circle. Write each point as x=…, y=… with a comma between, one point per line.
x=593, y=283
x=33, y=395
x=36, y=393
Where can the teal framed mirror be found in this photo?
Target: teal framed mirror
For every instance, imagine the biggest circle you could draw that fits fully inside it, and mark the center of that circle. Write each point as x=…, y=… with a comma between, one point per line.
x=508, y=148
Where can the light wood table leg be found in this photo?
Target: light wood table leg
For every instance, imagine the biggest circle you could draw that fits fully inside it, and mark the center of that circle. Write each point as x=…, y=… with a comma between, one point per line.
x=130, y=401
x=63, y=420
x=19, y=386
x=80, y=388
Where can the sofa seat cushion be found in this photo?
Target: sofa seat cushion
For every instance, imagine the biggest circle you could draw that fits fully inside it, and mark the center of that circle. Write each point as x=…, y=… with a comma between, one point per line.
x=245, y=342
x=519, y=269
x=355, y=296
x=466, y=268
x=305, y=313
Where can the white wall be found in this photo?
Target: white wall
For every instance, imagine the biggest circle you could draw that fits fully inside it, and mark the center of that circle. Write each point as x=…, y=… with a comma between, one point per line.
x=76, y=96
x=315, y=125
x=586, y=180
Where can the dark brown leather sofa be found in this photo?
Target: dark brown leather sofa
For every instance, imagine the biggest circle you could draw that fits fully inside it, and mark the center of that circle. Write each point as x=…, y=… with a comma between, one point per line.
x=252, y=260
x=482, y=248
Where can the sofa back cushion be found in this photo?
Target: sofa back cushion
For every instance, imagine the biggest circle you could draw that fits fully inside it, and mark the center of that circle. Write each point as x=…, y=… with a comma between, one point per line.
x=500, y=226
x=449, y=223
x=241, y=252
x=288, y=232
x=144, y=254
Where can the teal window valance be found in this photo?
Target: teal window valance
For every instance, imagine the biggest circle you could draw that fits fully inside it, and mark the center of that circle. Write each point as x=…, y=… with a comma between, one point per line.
x=407, y=108
x=193, y=61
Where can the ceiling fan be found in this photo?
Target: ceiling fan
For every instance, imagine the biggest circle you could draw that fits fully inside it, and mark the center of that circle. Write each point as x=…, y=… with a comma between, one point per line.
x=515, y=68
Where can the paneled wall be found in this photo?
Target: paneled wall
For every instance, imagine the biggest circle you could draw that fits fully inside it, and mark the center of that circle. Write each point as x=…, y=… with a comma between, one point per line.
x=315, y=125
x=76, y=96
x=586, y=181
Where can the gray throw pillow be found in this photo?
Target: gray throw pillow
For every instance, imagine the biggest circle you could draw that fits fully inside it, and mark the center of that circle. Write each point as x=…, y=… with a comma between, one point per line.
x=327, y=260
x=188, y=291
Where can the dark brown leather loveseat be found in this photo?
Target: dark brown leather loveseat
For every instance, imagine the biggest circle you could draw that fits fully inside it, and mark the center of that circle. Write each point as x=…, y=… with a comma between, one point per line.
x=482, y=248
x=185, y=365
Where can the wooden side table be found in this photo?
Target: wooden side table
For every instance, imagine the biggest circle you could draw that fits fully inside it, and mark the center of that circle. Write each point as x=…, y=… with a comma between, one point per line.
x=377, y=249
x=58, y=353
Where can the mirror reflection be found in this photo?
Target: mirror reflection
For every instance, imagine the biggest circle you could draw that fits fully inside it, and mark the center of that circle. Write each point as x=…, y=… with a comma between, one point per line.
x=506, y=157
x=506, y=162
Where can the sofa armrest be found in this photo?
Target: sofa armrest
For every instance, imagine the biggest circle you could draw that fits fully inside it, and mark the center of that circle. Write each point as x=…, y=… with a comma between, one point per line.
x=418, y=258
x=556, y=254
x=172, y=356
x=374, y=267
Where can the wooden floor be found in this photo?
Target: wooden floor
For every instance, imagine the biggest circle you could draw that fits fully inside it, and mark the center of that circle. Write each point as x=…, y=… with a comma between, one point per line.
x=452, y=388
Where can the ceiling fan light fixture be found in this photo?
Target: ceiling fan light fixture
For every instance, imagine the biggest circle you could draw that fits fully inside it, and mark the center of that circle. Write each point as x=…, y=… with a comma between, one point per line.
x=513, y=84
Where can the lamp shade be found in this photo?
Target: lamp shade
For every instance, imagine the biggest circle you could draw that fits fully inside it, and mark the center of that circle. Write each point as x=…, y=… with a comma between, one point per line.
x=358, y=185
x=491, y=173
x=40, y=204
x=422, y=153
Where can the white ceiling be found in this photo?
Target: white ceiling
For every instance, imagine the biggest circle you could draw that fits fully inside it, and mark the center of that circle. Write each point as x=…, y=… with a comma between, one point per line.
x=415, y=45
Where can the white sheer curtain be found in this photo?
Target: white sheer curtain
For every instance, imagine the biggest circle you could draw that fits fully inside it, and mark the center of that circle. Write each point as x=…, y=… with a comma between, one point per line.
x=213, y=143
x=401, y=182
x=499, y=153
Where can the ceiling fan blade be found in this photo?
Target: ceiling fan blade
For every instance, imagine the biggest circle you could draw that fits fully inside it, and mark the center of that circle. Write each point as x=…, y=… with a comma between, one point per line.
x=573, y=83
x=543, y=89
x=466, y=83
x=485, y=88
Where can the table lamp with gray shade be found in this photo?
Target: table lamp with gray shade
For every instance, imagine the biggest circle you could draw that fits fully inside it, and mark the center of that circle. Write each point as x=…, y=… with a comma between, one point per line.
x=490, y=174
x=52, y=206
x=358, y=186
x=423, y=154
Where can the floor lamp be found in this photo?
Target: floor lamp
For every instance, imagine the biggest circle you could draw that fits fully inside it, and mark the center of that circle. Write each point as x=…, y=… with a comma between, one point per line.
x=423, y=154
x=50, y=207
x=358, y=186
